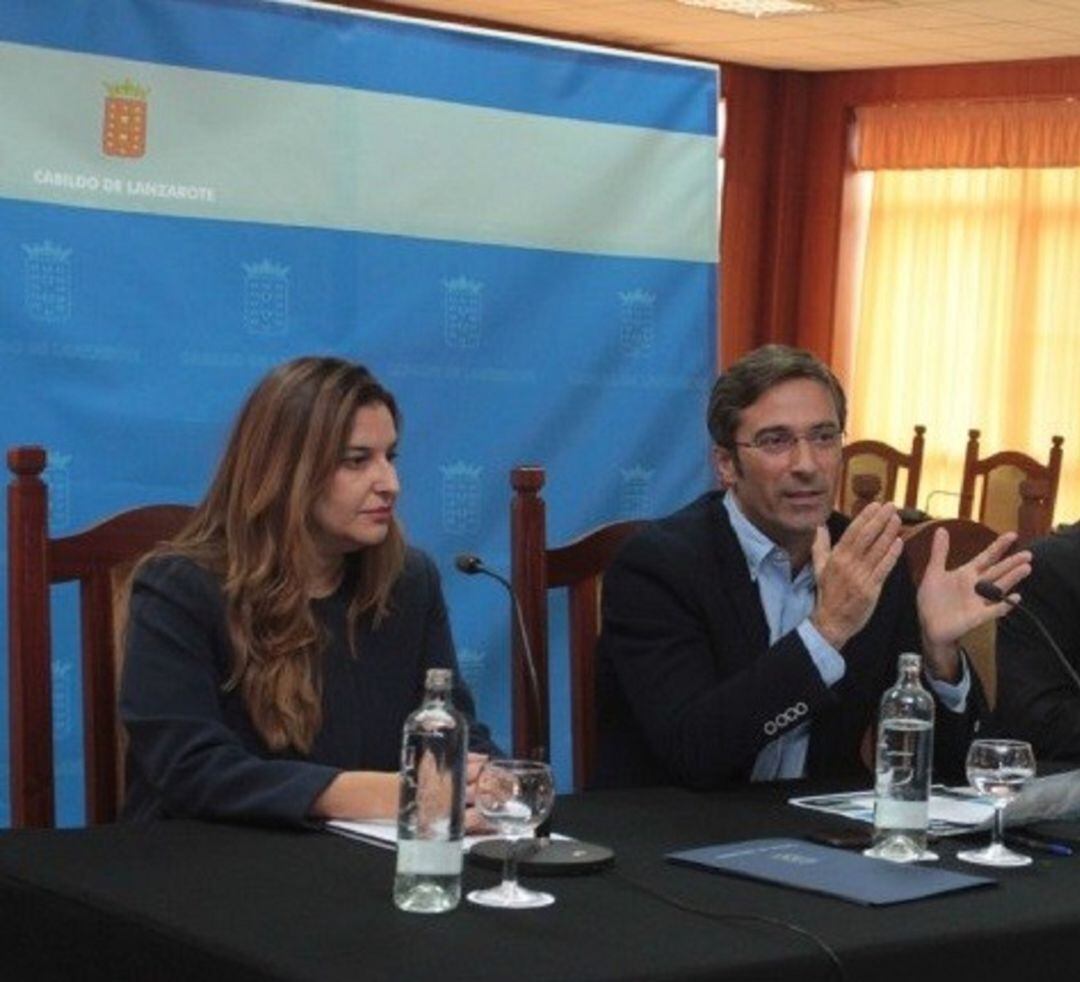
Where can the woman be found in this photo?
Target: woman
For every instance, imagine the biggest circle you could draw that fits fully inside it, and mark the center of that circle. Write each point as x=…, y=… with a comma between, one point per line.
x=275, y=647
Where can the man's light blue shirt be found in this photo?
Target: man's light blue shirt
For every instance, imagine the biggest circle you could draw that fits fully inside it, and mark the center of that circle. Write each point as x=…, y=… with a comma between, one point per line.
x=788, y=602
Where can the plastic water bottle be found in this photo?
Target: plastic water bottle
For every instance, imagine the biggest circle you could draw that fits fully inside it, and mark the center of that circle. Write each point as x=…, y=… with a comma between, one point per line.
x=905, y=750
x=431, y=811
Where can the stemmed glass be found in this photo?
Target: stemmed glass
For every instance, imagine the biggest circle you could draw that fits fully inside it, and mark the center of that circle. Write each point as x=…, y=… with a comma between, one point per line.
x=998, y=769
x=514, y=796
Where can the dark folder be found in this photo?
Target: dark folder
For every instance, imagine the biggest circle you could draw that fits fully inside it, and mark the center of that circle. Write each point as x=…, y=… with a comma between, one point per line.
x=821, y=869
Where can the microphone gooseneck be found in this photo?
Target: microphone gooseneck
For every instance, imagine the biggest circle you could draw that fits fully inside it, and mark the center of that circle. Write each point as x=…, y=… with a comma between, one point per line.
x=471, y=565
x=993, y=593
x=549, y=857
x=935, y=493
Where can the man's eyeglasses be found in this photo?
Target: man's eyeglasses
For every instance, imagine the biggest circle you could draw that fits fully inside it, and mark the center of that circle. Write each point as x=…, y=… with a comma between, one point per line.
x=776, y=443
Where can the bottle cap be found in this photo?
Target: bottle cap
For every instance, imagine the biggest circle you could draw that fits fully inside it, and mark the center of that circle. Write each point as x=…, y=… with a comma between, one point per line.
x=910, y=660
x=439, y=678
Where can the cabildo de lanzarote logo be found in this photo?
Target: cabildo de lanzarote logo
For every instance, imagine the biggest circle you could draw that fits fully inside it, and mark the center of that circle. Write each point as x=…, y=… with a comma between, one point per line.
x=463, y=312
x=461, y=497
x=47, y=276
x=266, y=298
x=124, y=129
x=637, y=322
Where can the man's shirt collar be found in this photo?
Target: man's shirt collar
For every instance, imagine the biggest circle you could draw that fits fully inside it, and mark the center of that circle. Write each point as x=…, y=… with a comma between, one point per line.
x=756, y=545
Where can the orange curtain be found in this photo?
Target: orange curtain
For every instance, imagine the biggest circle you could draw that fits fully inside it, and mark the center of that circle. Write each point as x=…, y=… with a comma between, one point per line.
x=962, y=304
x=968, y=134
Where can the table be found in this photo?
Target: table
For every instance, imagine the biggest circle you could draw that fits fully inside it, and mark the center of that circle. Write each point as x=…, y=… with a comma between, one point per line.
x=192, y=900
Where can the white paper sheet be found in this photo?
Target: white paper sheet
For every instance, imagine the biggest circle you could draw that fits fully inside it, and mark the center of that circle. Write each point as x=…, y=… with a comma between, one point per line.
x=954, y=811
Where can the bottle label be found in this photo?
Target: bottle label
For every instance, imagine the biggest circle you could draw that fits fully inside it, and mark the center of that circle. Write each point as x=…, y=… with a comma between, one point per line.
x=427, y=857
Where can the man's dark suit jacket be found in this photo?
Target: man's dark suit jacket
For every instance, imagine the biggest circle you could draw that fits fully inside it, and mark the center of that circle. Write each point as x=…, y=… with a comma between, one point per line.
x=1036, y=699
x=689, y=689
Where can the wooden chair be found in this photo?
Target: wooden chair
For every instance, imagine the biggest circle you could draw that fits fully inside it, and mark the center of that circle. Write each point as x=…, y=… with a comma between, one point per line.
x=864, y=489
x=100, y=559
x=966, y=540
x=578, y=566
x=863, y=460
x=1016, y=492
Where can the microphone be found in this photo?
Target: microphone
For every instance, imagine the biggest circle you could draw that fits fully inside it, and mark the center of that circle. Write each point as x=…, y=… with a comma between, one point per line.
x=548, y=857
x=993, y=593
x=471, y=565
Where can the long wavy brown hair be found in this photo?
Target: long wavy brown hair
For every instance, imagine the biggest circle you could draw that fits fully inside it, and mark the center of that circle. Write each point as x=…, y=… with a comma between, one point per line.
x=254, y=530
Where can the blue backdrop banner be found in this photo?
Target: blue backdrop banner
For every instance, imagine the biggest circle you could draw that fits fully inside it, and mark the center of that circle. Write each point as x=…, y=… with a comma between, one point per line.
x=520, y=239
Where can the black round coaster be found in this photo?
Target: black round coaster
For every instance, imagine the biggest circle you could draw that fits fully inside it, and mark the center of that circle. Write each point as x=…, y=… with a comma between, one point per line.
x=545, y=857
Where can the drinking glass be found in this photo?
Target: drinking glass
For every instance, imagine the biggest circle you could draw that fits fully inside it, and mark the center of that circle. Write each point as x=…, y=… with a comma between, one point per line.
x=998, y=769
x=514, y=796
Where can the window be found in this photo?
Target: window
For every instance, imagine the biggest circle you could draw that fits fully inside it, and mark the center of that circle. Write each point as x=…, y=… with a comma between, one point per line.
x=960, y=302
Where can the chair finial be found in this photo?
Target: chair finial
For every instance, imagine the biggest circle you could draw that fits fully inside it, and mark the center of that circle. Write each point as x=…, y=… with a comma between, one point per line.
x=527, y=478
x=26, y=461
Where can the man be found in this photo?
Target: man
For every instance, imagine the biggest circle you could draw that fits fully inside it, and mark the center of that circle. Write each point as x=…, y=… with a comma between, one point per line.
x=1037, y=699
x=751, y=634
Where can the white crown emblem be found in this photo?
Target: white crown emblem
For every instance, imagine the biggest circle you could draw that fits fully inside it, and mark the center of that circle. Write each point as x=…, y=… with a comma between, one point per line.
x=637, y=297
x=47, y=251
x=462, y=284
x=460, y=470
x=266, y=268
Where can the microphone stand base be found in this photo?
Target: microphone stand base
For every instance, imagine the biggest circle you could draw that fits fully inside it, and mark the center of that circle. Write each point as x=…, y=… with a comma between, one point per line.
x=544, y=857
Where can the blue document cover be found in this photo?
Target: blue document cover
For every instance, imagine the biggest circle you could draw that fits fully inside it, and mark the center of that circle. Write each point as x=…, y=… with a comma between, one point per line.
x=821, y=869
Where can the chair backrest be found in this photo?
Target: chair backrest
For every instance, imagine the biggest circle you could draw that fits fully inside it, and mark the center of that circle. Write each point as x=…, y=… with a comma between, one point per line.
x=99, y=558
x=966, y=540
x=1015, y=491
x=862, y=459
x=578, y=567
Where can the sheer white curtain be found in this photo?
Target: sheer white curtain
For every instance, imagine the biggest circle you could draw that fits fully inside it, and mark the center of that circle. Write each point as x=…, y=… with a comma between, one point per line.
x=960, y=307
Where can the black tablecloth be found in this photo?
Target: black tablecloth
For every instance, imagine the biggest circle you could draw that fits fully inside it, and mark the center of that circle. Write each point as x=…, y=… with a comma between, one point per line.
x=191, y=900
